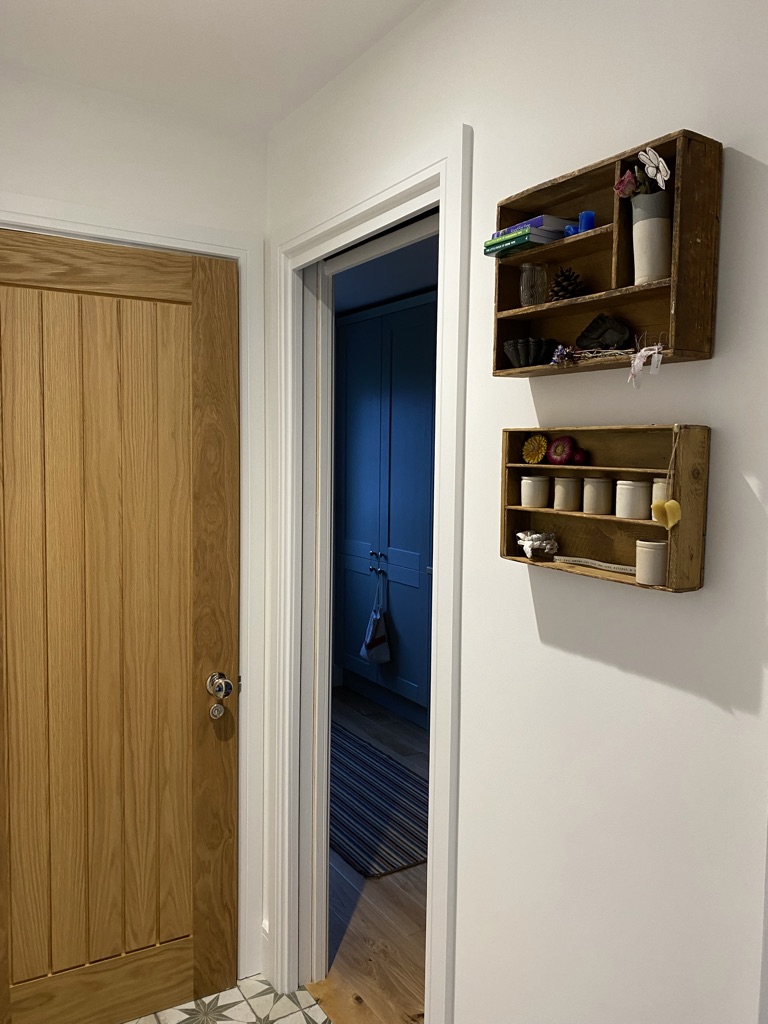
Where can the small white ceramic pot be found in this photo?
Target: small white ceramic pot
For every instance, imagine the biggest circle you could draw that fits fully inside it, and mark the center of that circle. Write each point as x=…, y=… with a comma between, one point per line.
x=633, y=499
x=651, y=563
x=567, y=493
x=598, y=495
x=534, y=491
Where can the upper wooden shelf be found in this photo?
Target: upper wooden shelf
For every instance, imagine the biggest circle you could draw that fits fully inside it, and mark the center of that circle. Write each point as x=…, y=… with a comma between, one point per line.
x=678, y=313
x=569, y=248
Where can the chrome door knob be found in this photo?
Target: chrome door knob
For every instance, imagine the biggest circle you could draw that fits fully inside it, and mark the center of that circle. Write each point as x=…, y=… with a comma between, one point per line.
x=219, y=686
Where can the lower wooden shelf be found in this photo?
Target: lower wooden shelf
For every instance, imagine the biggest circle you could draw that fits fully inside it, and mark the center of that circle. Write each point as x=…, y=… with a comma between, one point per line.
x=587, y=570
x=678, y=452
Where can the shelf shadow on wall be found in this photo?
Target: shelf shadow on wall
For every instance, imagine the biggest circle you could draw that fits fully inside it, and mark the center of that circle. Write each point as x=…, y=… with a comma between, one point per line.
x=712, y=643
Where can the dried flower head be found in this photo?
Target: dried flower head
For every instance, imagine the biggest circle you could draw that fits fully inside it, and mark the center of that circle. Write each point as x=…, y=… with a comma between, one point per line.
x=626, y=186
x=655, y=166
x=534, y=449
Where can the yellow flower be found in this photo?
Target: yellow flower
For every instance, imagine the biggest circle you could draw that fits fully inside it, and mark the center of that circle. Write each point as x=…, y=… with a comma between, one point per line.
x=534, y=449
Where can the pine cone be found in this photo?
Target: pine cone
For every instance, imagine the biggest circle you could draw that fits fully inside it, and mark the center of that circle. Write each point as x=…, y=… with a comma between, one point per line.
x=566, y=285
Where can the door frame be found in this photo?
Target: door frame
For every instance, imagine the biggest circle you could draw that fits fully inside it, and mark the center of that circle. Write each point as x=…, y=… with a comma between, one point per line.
x=53, y=217
x=293, y=946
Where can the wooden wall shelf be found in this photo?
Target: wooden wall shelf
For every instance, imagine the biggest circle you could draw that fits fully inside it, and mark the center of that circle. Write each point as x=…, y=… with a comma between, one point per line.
x=678, y=313
x=622, y=452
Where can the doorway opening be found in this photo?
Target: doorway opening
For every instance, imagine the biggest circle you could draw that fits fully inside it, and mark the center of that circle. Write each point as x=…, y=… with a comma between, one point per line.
x=294, y=928
x=384, y=373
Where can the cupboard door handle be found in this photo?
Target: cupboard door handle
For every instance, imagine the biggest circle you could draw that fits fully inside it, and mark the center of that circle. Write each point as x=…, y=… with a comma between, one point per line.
x=381, y=572
x=371, y=568
x=371, y=554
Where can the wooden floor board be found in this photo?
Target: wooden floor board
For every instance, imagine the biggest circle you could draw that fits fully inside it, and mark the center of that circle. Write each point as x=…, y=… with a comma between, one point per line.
x=403, y=741
x=377, y=926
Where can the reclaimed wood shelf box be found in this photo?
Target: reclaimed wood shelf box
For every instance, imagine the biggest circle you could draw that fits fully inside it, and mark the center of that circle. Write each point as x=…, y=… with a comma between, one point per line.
x=620, y=453
x=678, y=312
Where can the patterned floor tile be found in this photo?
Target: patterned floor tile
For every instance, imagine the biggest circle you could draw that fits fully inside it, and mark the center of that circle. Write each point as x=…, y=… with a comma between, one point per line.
x=314, y=1015
x=226, y=1006
x=272, y=1006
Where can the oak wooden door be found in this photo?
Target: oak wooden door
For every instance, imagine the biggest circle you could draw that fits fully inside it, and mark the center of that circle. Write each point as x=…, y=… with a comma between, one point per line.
x=119, y=559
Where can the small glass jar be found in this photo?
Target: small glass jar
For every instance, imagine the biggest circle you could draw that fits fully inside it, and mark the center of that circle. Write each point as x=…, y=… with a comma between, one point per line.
x=533, y=284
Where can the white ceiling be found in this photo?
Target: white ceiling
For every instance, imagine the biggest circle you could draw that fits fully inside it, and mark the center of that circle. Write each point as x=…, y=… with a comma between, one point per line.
x=239, y=61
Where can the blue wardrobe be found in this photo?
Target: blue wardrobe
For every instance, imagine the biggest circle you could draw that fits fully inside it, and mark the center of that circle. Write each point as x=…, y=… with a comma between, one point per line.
x=385, y=414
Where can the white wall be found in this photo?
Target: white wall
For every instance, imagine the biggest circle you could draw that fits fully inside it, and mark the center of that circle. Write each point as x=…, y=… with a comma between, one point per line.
x=90, y=162
x=60, y=141
x=614, y=757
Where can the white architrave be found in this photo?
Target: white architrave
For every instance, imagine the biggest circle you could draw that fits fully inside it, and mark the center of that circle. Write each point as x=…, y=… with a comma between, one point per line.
x=290, y=761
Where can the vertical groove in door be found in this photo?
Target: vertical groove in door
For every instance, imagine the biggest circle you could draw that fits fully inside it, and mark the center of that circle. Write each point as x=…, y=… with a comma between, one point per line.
x=25, y=618
x=140, y=576
x=102, y=461
x=63, y=443
x=5, y=1006
x=175, y=554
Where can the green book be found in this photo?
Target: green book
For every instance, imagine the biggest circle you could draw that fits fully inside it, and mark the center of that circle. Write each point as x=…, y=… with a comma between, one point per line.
x=510, y=244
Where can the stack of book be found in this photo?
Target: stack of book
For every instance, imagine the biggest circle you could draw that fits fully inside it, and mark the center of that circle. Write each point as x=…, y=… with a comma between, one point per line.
x=527, y=234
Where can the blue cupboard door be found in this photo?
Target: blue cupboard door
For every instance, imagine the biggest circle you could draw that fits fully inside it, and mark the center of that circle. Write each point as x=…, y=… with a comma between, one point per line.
x=406, y=495
x=358, y=459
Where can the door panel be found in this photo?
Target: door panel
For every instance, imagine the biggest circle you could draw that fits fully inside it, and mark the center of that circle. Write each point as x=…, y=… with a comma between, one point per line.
x=411, y=339
x=20, y=328
x=119, y=507
x=360, y=383
x=141, y=634
x=65, y=558
x=175, y=588
x=102, y=425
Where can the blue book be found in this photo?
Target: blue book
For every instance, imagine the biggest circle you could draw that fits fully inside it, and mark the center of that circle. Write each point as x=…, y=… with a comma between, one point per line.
x=544, y=220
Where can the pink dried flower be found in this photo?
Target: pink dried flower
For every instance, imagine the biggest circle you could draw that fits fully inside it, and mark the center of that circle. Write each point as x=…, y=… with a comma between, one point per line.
x=626, y=186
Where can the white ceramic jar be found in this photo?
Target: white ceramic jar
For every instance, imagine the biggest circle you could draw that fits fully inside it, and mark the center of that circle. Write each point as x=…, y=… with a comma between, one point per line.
x=567, y=494
x=651, y=562
x=633, y=499
x=534, y=491
x=659, y=492
x=598, y=495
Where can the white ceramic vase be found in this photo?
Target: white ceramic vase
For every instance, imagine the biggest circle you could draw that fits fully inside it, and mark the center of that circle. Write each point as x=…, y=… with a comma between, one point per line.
x=651, y=236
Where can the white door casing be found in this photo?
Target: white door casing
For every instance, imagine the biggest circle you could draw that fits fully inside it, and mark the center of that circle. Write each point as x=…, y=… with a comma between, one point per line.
x=296, y=766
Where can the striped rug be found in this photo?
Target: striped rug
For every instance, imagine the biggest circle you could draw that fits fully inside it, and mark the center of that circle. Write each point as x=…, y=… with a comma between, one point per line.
x=378, y=808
